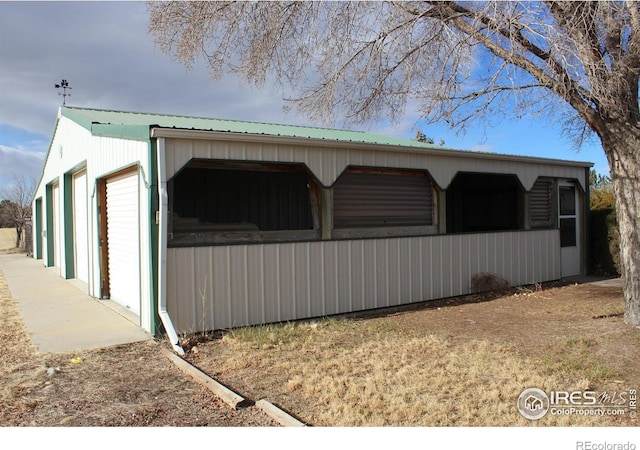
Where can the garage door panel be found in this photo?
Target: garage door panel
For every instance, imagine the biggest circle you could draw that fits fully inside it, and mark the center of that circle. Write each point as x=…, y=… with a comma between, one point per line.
x=123, y=241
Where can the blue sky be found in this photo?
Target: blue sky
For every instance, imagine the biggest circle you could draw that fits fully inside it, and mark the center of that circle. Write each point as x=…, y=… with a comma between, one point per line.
x=104, y=51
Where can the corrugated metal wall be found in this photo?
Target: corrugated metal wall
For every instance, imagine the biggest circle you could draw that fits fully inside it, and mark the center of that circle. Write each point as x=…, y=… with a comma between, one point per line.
x=327, y=163
x=229, y=286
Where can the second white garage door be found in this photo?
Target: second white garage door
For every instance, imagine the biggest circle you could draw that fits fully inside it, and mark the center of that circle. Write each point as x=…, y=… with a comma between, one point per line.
x=123, y=240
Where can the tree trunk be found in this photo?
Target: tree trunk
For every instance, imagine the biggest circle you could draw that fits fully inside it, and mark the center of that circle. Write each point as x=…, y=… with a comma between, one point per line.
x=18, y=236
x=622, y=147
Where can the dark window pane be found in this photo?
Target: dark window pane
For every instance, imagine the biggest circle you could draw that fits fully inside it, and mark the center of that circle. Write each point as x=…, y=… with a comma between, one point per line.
x=568, y=232
x=241, y=200
x=567, y=200
x=478, y=202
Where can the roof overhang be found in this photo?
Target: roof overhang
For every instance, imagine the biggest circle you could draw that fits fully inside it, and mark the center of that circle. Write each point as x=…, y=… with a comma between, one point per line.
x=177, y=133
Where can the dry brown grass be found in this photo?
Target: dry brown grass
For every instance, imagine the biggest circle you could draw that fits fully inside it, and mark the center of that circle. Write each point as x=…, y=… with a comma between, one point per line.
x=127, y=385
x=21, y=368
x=389, y=371
x=7, y=238
x=388, y=377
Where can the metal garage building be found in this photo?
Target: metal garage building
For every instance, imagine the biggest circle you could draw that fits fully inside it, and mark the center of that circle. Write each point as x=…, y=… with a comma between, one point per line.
x=196, y=224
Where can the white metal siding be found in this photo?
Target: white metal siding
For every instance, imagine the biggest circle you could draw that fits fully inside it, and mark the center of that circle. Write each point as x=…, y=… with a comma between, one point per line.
x=229, y=286
x=80, y=230
x=73, y=146
x=123, y=241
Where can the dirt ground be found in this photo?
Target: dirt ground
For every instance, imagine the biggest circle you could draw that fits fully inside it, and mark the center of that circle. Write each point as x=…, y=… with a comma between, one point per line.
x=136, y=385
x=540, y=322
x=574, y=334
x=125, y=386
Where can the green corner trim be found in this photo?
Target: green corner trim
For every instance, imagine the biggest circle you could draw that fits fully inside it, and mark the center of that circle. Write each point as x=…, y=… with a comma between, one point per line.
x=67, y=208
x=132, y=132
x=156, y=323
x=49, y=226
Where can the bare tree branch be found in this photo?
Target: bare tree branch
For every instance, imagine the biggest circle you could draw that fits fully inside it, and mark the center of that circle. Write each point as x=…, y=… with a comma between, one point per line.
x=459, y=62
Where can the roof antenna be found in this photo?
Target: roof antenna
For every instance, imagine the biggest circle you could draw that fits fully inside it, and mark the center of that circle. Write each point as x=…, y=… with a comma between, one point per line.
x=64, y=84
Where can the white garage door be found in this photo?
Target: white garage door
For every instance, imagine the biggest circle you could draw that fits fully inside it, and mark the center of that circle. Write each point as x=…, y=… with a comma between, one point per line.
x=123, y=247
x=80, y=235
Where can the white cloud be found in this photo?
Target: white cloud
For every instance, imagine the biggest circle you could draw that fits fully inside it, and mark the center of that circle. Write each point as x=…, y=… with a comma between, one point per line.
x=20, y=162
x=105, y=52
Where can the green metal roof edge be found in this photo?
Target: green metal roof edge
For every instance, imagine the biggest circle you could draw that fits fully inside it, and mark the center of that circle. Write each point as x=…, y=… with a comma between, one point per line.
x=80, y=119
x=137, y=126
x=97, y=121
x=132, y=132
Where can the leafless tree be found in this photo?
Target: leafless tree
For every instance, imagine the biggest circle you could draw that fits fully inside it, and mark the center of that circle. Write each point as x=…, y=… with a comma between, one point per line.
x=16, y=205
x=458, y=61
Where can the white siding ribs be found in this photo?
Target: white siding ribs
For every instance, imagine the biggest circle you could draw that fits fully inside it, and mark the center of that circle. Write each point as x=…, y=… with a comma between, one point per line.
x=265, y=283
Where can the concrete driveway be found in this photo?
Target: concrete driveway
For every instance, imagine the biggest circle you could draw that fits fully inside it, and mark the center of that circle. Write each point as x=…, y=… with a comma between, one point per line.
x=60, y=315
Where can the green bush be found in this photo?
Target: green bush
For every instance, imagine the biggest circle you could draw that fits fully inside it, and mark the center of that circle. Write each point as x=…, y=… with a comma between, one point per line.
x=605, y=239
x=604, y=258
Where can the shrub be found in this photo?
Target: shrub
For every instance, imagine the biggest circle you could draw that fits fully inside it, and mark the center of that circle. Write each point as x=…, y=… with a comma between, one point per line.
x=605, y=240
x=484, y=282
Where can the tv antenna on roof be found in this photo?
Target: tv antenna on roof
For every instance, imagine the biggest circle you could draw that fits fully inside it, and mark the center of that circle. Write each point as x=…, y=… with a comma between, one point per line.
x=64, y=84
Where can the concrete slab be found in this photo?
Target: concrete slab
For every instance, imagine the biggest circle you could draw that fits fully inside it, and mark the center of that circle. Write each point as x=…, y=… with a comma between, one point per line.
x=60, y=315
x=612, y=282
x=599, y=281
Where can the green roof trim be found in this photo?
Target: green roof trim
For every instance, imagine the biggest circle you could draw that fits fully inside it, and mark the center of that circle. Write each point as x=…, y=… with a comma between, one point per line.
x=130, y=125
x=132, y=132
x=139, y=126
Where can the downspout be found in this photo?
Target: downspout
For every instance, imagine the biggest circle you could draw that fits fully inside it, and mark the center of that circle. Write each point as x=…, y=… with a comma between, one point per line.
x=162, y=250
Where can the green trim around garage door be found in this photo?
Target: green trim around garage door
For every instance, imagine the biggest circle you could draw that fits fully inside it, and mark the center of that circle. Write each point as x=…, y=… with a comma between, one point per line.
x=155, y=322
x=37, y=226
x=67, y=207
x=50, y=235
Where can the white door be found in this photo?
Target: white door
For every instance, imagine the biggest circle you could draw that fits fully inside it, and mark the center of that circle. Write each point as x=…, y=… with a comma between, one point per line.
x=123, y=242
x=80, y=228
x=569, y=222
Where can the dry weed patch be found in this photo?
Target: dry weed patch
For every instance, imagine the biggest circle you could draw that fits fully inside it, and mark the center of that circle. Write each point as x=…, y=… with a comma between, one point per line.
x=370, y=373
x=576, y=356
x=21, y=371
x=456, y=365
